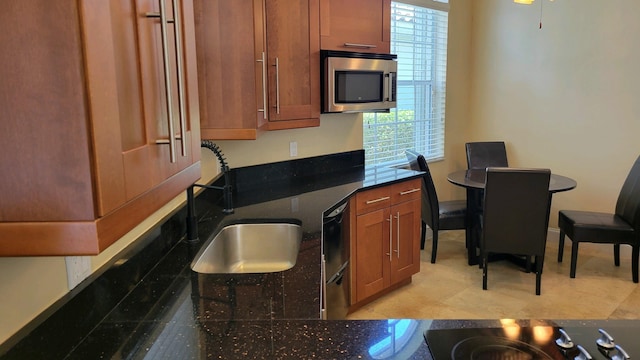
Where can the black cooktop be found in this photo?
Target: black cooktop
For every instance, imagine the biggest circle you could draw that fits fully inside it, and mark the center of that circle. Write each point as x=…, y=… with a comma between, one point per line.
x=532, y=342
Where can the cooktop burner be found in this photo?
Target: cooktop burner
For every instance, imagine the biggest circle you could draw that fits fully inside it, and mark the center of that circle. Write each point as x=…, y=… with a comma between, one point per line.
x=532, y=342
x=484, y=347
x=517, y=343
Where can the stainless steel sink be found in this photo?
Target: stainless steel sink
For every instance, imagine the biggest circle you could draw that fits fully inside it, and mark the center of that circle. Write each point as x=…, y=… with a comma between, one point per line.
x=250, y=248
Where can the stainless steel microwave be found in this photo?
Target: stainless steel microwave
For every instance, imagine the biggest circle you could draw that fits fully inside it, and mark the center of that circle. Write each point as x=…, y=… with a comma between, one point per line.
x=358, y=82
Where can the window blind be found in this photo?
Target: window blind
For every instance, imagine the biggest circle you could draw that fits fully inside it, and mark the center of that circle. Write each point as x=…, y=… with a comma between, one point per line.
x=419, y=38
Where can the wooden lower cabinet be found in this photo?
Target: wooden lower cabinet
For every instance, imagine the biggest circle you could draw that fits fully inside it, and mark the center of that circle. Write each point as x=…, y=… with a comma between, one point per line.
x=386, y=250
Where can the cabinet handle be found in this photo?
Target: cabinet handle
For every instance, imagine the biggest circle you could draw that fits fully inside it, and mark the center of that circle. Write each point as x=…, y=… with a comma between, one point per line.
x=377, y=200
x=409, y=191
x=277, y=65
x=264, y=86
x=179, y=51
x=390, y=220
x=398, y=234
x=167, y=78
x=366, y=46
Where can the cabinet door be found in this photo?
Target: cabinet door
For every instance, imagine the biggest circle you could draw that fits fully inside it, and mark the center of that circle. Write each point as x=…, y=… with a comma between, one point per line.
x=405, y=259
x=230, y=48
x=372, y=257
x=129, y=93
x=82, y=110
x=355, y=25
x=44, y=138
x=169, y=85
x=293, y=59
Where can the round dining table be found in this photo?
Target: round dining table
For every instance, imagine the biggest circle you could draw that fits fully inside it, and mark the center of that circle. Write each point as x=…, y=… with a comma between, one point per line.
x=474, y=181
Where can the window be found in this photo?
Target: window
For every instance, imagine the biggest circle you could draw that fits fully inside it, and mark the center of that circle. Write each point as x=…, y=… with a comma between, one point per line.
x=419, y=38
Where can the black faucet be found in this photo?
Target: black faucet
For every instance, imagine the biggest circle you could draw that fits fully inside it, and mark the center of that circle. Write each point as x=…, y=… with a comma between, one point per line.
x=192, y=221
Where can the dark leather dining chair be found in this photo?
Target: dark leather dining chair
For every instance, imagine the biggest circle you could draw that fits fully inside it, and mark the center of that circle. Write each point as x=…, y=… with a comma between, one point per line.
x=484, y=154
x=481, y=155
x=438, y=215
x=620, y=227
x=515, y=216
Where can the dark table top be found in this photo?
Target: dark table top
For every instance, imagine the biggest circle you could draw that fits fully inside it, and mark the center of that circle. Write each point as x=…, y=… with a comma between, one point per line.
x=475, y=179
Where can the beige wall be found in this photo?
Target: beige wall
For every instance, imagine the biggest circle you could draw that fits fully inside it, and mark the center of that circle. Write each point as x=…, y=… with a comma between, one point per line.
x=337, y=133
x=458, y=95
x=563, y=97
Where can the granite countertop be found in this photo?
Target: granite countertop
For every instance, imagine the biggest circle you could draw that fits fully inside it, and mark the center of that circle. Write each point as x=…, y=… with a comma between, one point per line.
x=166, y=310
x=150, y=304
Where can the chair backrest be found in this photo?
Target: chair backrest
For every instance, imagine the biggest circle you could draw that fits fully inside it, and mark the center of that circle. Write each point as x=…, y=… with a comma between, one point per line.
x=430, y=205
x=516, y=210
x=412, y=156
x=628, y=204
x=484, y=154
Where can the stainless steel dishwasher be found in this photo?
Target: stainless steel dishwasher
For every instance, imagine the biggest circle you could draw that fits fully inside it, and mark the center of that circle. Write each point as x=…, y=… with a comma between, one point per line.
x=335, y=262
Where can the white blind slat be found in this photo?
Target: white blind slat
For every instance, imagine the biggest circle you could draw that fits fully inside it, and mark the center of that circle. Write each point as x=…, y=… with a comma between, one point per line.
x=419, y=38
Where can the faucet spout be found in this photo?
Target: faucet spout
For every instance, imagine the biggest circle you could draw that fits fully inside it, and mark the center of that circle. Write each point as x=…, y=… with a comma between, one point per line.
x=226, y=189
x=192, y=222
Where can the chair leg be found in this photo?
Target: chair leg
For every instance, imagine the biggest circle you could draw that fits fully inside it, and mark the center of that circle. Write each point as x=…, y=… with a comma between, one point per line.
x=539, y=260
x=574, y=259
x=423, y=236
x=635, y=254
x=434, y=247
x=561, y=246
x=484, y=271
x=616, y=254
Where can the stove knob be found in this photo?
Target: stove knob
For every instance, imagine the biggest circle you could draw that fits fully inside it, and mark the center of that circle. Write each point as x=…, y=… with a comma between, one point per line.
x=605, y=341
x=564, y=341
x=583, y=354
x=618, y=353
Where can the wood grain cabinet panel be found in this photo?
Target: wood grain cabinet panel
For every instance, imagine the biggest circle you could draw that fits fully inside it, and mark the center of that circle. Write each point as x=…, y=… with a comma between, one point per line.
x=386, y=250
x=356, y=25
x=258, y=66
x=87, y=104
x=228, y=43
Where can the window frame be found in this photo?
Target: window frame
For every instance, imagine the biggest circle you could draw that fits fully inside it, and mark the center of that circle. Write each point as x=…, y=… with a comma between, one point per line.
x=433, y=134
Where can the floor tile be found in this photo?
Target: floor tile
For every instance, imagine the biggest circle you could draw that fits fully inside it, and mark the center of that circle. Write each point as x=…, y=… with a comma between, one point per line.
x=451, y=289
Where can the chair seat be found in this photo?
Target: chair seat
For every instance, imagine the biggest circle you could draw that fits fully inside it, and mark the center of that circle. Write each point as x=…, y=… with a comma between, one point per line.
x=606, y=228
x=595, y=227
x=452, y=214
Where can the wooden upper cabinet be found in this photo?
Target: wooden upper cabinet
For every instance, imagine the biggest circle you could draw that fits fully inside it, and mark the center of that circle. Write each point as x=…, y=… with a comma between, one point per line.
x=258, y=66
x=88, y=107
x=230, y=77
x=293, y=63
x=355, y=25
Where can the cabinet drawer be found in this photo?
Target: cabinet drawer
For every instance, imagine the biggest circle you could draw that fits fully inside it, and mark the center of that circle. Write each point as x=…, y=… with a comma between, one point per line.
x=405, y=191
x=374, y=199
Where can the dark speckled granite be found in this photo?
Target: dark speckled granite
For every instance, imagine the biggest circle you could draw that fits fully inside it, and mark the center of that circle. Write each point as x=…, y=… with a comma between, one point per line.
x=149, y=304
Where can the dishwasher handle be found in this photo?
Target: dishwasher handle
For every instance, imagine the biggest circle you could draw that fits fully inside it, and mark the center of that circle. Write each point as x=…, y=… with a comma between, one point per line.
x=339, y=275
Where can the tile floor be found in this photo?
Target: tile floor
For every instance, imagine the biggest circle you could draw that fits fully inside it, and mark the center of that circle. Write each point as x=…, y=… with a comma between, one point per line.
x=450, y=289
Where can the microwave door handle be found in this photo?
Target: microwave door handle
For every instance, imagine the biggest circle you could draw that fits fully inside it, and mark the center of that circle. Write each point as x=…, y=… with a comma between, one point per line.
x=391, y=79
x=387, y=87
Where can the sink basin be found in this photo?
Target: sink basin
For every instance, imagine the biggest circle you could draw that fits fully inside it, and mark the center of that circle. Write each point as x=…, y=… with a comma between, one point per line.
x=250, y=248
